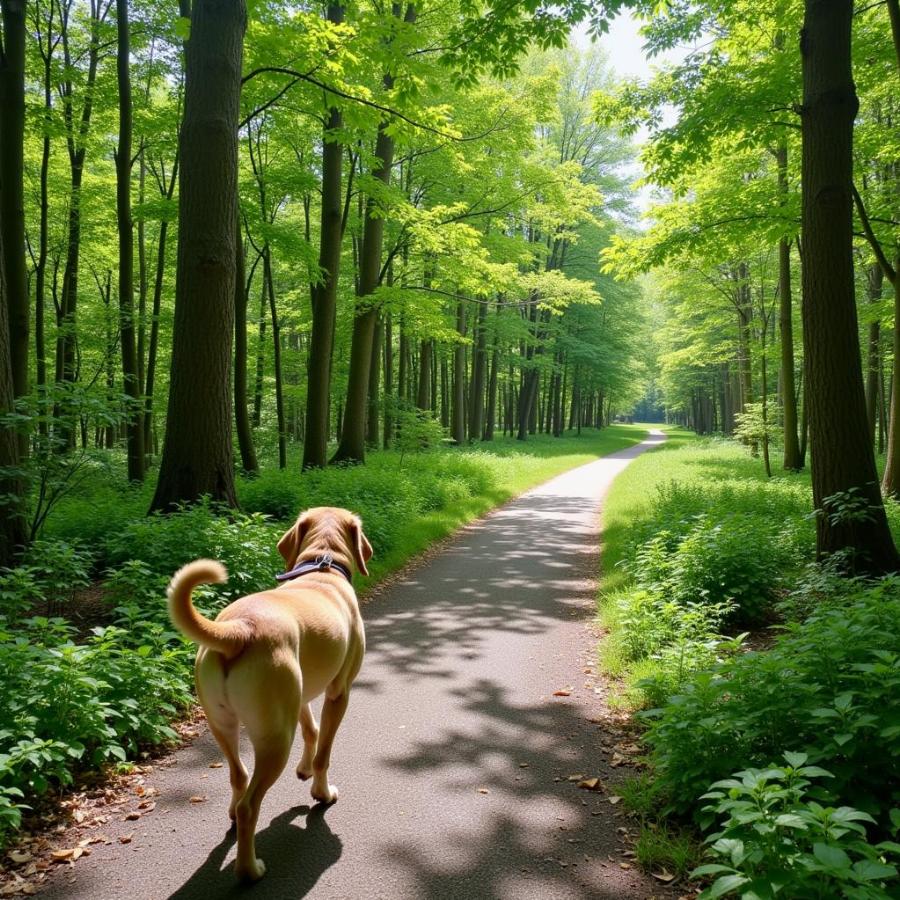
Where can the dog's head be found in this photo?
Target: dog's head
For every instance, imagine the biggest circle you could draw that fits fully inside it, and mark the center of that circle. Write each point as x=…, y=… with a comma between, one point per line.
x=326, y=529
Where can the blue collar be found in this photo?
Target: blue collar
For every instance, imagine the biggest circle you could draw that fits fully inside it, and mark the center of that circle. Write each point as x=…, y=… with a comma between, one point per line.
x=320, y=564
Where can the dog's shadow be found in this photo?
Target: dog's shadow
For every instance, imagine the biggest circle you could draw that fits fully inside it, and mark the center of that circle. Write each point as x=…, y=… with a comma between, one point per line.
x=295, y=859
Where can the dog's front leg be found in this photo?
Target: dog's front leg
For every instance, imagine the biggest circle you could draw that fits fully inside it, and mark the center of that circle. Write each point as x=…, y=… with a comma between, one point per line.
x=332, y=712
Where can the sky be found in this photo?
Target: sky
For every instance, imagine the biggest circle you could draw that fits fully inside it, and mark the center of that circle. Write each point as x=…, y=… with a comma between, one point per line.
x=624, y=45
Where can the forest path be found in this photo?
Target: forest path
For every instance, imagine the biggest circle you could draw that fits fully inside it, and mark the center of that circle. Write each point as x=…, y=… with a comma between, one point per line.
x=453, y=759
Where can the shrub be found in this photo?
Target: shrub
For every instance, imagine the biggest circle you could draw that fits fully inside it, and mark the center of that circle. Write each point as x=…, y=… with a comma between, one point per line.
x=777, y=841
x=828, y=687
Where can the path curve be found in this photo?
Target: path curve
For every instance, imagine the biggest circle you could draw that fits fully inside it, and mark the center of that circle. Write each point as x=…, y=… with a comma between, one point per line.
x=453, y=758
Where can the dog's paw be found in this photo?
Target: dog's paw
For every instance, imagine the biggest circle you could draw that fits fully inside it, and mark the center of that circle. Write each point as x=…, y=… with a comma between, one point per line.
x=327, y=795
x=252, y=872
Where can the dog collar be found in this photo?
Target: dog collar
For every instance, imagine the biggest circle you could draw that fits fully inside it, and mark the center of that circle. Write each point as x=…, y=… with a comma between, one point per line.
x=320, y=564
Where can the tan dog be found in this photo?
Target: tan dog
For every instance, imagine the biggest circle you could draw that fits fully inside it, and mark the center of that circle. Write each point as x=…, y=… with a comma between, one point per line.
x=267, y=655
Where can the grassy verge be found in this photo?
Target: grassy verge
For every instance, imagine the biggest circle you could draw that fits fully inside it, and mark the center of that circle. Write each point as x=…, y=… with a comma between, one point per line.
x=769, y=742
x=83, y=686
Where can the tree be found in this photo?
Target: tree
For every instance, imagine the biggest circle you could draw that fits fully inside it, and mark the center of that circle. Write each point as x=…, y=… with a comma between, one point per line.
x=843, y=464
x=134, y=422
x=12, y=207
x=197, y=454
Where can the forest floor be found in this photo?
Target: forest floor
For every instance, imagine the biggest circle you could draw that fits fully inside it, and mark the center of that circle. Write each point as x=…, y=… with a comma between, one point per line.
x=477, y=716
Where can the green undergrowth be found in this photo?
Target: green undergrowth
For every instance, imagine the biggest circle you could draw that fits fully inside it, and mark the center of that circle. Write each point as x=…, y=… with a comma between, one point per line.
x=91, y=672
x=768, y=683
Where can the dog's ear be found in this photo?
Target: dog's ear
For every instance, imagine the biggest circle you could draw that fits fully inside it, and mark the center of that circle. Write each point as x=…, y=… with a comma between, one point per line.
x=362, y=549
x=292, y=540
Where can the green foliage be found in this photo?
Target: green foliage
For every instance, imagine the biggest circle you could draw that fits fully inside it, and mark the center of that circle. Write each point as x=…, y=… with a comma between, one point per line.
x=68, y=705
x=776, y=840
x=827, y=687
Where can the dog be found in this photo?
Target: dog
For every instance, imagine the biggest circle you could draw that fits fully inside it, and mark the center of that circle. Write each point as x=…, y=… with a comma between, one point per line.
x=267, y=655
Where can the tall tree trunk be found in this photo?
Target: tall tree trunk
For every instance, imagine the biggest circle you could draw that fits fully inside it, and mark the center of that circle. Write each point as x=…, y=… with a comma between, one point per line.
x=458, y=404
x=842, y=457
x=12, y=207
x=12, y=485
x=423, y=393
x=791, y=460
x=372, y=423
x=324, y=305
x=352, y=446
x=388, y=433
x=260, y=357
x=479, y=364
x=197, y=455
x=76, y=137
x=890, y=483
x=153, y=344
x=875, y=282
x=269, y=283
x=249, y=462
x=134, y=420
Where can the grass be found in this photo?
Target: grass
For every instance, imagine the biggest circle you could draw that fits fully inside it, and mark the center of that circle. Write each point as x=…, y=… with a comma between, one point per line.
x=406, y=502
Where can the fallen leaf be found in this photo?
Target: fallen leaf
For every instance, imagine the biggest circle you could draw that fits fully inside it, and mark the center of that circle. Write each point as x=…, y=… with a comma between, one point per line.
x=624, y=865
x=13, y=887
x=197, y=799
x=29, y=889
x=216, y=765
x=665, y=876
x=19, y=856
x=523, y=765
x=614, y=800
x=576, y=777
x=591, y=784
x=562, y=693
x=147, y=805
x=63, y=855
x=126, y=838
x=132, y=816
x=483, y=790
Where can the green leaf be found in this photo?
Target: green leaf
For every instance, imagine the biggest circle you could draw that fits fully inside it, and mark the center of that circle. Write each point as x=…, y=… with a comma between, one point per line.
x=831, y=856
x=727, y=884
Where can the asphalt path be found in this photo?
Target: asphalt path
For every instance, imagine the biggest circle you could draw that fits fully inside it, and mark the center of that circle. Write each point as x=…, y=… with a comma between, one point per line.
x=454, y=758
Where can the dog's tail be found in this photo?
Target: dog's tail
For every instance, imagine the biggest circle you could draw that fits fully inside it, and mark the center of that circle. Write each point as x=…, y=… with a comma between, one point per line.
x=227, y=638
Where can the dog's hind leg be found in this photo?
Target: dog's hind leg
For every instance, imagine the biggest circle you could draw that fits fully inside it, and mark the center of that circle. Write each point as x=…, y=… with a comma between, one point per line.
x=272, y=752
x=310, y=729
x=332, y=712
x=226, y=734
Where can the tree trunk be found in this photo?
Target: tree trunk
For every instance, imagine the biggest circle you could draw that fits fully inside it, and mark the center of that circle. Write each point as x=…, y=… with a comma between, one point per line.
x=423, y=394
x=324, y=306
x=372, y=423
x=197, y=454
x=890, y=483
x=458, y=405
x=12, y=208
x=12, y=485
x=479, y=364
x=352, y=446
x=875, y=279
x=134, y=419
x=269, y=283
x=388, y=432
x=791, y=460
x=249, y=462
x=153, y=344
x=842, y=457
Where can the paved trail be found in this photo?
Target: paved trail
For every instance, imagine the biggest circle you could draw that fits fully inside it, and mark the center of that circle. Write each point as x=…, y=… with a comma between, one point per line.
x=465, y=652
